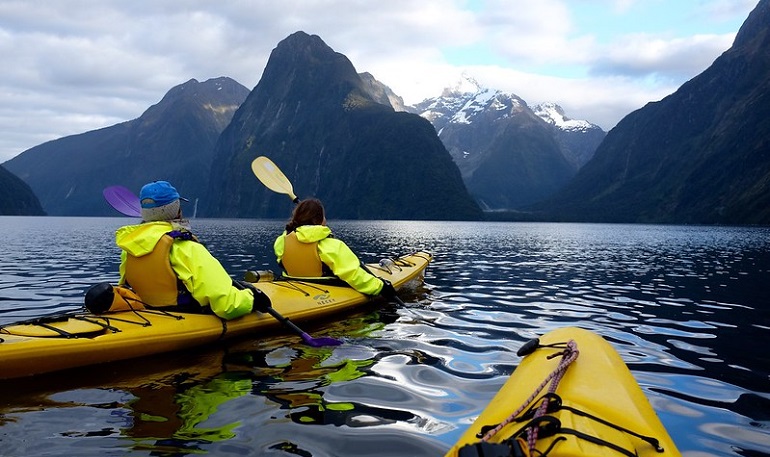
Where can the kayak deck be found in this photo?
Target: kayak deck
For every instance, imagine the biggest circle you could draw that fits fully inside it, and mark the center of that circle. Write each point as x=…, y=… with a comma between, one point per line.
x=54, y=343
x=602, y=406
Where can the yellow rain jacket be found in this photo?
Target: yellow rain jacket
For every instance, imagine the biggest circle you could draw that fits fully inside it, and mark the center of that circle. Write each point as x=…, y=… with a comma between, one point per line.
x=334, y=253
x=202, y=274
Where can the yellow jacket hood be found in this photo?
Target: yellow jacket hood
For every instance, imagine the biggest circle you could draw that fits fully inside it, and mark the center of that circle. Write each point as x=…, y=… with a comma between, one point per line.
x=312, y=233
x=139, y=240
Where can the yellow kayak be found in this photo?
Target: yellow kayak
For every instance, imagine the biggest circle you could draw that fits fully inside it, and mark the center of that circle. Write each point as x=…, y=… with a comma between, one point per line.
x=51, y=344
x=594, y=406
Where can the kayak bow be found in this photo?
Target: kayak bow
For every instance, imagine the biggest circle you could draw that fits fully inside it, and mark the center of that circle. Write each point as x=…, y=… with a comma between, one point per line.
x=592, y=406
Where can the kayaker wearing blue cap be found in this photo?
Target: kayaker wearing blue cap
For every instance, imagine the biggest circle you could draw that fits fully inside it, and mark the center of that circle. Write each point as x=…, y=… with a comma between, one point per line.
x=163, y=262
x=307, y=249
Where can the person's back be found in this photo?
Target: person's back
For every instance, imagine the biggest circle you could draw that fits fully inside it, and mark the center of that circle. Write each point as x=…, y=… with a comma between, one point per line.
x=145, y=266
x=307, y=249
x=163, y=262
x=300, y=252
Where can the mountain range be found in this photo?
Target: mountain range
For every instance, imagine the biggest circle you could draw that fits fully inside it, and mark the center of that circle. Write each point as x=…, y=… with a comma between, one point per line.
x=700, y=155
x=509, y=154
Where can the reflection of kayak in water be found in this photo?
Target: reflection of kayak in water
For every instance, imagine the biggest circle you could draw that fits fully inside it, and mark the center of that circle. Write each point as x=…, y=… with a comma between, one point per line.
x=183, y=415
x=596, y=408
x=185, y=403
x=51, y=344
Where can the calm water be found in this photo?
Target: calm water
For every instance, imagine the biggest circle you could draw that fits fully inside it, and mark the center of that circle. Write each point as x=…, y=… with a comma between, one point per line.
x=685, y=306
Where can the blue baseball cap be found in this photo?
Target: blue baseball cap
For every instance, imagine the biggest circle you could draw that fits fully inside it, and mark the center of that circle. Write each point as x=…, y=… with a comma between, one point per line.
x=158, y=193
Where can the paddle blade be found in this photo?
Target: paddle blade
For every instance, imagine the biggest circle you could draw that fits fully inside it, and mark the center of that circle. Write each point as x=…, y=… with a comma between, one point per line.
x=123, y=200
x=272, y=177
x=321, y=341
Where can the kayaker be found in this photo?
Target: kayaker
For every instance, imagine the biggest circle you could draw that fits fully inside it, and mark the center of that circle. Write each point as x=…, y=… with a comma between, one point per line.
x=163, y=262
x=307, y=249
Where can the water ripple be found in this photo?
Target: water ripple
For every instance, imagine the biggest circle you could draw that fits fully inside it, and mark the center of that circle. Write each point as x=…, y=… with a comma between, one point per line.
x=685, y=307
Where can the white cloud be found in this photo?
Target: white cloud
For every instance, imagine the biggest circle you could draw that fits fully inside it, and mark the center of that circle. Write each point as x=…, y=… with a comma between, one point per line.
x=671, y=59
x=722, y=10
x=531, y=30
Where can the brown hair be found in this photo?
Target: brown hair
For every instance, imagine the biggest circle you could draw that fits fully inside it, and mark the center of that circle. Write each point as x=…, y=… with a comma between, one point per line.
x=308, y=212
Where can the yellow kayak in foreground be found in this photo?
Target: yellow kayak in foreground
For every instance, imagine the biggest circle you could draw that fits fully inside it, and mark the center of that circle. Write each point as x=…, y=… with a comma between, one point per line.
x=56, y=343
x=596, y=409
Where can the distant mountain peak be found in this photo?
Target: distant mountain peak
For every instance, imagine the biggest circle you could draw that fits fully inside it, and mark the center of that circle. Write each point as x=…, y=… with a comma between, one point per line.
x=487, y=131
x=487, y=100
x=381, y=93
x=462, y=102
x=554, y=115
x=466, y=85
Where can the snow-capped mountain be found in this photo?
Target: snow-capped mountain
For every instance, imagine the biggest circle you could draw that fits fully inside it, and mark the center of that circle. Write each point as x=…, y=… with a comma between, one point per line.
x=465, y=102
x=578, y=139
x=508, y=154
x=554, y=115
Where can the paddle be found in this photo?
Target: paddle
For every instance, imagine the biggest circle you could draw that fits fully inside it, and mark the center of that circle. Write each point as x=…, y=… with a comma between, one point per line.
x=274, y=179
x=123, y=200
x=266, y=307
x=309, y=340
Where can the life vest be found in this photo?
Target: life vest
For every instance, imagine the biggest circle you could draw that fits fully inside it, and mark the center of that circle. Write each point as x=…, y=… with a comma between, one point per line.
x=301, y=260
x=152, y=277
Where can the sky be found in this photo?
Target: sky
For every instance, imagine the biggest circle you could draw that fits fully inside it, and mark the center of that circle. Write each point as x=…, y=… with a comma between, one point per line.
x=72, y=66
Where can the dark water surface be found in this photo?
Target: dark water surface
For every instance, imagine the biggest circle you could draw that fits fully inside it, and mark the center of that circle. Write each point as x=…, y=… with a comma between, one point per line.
x=686, y=308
